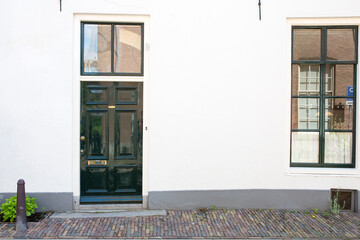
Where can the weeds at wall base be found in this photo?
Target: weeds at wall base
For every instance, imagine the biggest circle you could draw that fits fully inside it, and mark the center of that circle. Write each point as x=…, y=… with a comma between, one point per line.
x=36, y=217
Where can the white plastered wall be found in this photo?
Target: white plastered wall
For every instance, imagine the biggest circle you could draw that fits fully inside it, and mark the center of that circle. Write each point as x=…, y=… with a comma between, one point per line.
x=36, y=96
x=227, y=103
x=219, y=99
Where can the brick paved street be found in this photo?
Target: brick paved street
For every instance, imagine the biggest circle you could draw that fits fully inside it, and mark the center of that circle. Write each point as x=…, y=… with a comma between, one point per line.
x=198, y=224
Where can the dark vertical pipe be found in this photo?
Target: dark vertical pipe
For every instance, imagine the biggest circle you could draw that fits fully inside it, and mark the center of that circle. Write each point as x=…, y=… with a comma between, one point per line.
x=21, y=224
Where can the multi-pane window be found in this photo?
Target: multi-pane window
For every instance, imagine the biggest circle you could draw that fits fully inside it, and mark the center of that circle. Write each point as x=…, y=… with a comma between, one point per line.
x=112, y=49
x=324, y=63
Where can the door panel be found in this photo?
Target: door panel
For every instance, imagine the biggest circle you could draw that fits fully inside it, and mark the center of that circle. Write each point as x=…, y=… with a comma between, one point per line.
x=125, y=134
x=111, y=142
x=97, y=179
x=97, y=134
x=125, y=178
x=126, y=95
x=97, y=95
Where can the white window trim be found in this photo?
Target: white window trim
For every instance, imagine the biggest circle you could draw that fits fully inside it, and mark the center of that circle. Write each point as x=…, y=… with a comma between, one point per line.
x=314, y=171
x=77, y=79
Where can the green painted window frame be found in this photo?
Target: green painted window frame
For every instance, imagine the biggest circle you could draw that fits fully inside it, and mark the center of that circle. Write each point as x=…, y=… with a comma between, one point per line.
x=323, y=62
x=112, y=73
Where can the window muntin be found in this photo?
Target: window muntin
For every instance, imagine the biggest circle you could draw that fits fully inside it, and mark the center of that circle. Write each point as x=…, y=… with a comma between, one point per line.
x=323, y=115
x=112, y=49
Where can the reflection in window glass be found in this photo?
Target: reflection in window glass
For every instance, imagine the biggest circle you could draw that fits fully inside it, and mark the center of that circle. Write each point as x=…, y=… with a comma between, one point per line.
x=323, y=95
x=306, y=44
x=339, y=114
x=341, y=44
x=127, y=56
x=339, y=77
x=112, y=49
x=305, y=147
x=329, y=80
x=306, y=79
x=309, y=80
x=338, y=147
x=97, y=48
x=305, y=113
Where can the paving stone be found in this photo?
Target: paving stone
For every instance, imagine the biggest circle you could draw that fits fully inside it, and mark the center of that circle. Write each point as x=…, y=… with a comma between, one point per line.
x=213, y=224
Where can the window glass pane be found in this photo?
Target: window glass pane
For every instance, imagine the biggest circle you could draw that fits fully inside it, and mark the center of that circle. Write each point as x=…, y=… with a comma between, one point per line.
x=305, y=113
x=306, y=80
x=338, y=147
x=339, y=80
x=341, y=44
x=128, y=49
x=329, y=86
x=338, y=115
x=305, y=147
x=97, y=48
x=306, y=44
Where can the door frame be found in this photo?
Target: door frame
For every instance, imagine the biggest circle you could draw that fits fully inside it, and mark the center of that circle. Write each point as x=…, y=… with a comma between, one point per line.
x=77, y=79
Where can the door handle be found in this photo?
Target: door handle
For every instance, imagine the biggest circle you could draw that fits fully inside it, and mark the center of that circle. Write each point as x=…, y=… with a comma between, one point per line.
x=82, y=145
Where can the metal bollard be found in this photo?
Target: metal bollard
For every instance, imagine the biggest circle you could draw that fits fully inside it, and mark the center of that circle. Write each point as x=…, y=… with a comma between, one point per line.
x=21, y=222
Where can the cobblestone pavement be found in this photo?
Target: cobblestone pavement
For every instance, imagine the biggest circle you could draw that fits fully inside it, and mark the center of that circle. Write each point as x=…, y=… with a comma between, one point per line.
x=241, y=223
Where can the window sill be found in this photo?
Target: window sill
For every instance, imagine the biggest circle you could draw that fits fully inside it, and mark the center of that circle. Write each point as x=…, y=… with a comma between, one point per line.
x=321, y=166
x=312, y=171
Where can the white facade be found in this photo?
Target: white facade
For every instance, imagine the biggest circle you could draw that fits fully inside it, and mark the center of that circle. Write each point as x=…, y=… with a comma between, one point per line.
x=217, y=93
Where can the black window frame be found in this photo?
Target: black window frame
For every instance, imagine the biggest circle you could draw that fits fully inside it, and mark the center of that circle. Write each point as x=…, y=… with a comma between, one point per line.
x=112, y=73
x=323, y=62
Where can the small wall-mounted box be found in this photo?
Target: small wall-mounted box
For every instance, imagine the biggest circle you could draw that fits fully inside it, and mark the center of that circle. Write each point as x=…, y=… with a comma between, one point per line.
x=347, y=198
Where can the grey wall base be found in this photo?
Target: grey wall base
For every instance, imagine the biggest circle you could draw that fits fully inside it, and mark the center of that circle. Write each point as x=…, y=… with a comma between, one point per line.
x=250, y=198
x=60, y=201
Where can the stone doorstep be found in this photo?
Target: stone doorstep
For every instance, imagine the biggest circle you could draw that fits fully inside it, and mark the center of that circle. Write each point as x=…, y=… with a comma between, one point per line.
x=108, y=213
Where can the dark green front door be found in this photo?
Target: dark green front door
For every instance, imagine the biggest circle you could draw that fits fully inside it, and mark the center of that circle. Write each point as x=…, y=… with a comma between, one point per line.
x=111, y=142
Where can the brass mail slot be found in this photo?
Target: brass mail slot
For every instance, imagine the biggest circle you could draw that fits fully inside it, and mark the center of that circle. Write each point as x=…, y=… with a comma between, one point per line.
x=97, y=162
x=111, y=106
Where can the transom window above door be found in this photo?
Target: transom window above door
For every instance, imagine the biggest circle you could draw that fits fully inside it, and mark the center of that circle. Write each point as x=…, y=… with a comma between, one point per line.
x=112, y=49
